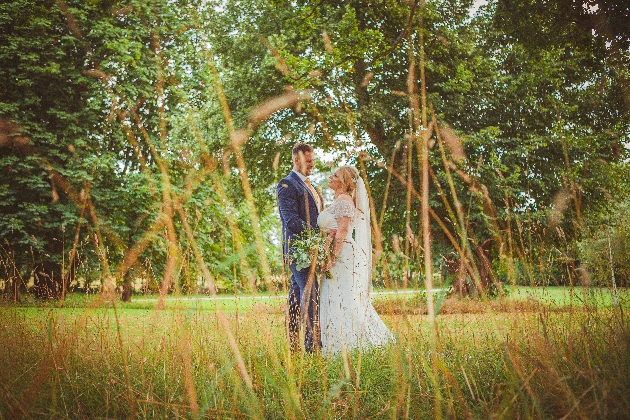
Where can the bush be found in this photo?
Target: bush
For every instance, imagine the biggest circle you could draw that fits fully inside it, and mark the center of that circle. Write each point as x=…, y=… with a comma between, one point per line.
x=609, y=244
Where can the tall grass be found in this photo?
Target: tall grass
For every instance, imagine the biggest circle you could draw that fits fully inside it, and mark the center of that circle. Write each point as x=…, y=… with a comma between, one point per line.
x=513, y=357
x=534, y=361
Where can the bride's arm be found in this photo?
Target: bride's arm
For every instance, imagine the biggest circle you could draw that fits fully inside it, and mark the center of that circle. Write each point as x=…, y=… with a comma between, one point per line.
x=330, y=236
x=343, y=223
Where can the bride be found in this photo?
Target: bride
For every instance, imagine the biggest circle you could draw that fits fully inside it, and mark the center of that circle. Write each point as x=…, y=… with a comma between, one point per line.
x=347, y=318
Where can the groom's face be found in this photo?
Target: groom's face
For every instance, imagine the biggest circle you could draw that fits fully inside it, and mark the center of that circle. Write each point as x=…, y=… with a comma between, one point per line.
x=304, y=163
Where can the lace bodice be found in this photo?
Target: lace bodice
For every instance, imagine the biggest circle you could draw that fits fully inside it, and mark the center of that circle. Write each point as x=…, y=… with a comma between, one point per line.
x=327, y=219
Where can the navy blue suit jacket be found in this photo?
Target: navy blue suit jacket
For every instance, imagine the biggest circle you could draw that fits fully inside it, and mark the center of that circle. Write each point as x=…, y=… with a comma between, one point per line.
x=298, y=208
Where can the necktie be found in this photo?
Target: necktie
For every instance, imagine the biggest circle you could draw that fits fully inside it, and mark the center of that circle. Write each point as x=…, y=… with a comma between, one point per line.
x=315, y=195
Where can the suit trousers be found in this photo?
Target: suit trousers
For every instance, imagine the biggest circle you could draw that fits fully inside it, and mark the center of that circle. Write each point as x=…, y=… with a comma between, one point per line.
x=303, y=309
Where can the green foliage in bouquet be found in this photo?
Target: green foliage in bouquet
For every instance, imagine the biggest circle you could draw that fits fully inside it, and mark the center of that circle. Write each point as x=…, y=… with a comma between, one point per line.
x=308, y=245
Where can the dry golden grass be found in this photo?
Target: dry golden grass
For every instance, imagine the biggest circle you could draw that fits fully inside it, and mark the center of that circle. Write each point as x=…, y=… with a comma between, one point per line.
x=493, y=359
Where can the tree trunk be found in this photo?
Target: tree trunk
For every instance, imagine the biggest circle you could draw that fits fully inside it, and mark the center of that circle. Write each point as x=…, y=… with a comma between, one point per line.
x=126, y=291
x=15, y=289
x=484, y=265
x=464, y=284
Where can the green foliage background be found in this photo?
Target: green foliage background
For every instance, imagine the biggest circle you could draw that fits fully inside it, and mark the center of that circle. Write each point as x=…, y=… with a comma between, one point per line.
x=122, y=108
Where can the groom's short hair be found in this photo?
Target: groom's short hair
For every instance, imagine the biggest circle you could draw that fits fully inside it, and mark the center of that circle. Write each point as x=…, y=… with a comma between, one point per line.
x=301, y=148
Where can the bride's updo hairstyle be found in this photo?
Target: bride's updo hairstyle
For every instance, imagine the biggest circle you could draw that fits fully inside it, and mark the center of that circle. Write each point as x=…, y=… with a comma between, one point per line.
x=349, y=175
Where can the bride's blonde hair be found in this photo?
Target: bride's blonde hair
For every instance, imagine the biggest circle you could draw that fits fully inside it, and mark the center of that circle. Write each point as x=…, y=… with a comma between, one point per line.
x=349, y=175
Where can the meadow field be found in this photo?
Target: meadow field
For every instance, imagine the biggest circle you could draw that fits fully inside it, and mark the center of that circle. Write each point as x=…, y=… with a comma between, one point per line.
x=144, y=150
x=537, y=353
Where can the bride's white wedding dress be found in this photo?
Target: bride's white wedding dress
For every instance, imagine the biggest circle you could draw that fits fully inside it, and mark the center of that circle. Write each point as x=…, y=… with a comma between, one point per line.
x=347, y=318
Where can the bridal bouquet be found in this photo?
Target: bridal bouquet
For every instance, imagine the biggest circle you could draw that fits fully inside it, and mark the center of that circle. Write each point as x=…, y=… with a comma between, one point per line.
x=308, y=244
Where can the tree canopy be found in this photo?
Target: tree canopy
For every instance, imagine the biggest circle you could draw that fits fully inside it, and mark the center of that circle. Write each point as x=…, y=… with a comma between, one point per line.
x=142, y=141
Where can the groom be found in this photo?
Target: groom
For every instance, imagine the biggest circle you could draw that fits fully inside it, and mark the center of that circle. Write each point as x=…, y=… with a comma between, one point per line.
x=299, y=204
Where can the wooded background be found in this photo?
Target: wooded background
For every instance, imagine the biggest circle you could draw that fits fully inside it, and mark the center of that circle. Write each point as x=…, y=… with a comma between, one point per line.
x=140, y=141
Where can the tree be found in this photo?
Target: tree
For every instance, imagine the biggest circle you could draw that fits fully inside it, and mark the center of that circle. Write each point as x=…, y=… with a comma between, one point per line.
x=526, y=114
x=44, y=91
x=145, y=134
x=145, y=161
